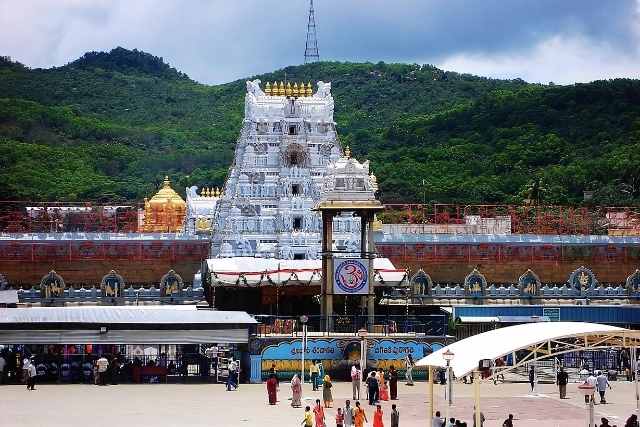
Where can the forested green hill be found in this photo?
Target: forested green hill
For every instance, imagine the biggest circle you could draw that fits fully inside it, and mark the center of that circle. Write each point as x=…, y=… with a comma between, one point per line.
x=109, y=126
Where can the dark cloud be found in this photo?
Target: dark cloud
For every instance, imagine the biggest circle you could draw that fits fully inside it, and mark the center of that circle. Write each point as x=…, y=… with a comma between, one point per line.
x=217, y=41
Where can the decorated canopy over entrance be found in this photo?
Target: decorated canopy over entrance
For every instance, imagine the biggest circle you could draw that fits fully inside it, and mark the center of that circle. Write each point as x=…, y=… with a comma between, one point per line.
x=249, y=271
x=542, y=340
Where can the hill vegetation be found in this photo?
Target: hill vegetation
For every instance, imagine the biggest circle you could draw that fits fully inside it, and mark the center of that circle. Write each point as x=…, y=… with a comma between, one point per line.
x=108, y=126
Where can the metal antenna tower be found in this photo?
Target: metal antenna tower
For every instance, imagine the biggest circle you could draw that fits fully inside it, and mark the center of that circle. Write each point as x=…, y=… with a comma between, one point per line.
x=311, y=47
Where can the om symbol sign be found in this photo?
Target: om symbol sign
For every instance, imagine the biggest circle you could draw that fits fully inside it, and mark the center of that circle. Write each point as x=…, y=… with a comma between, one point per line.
x=351, y=276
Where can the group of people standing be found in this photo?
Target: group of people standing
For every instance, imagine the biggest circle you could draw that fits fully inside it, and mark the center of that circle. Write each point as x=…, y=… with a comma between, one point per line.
x=349, y=416
x=381, y=386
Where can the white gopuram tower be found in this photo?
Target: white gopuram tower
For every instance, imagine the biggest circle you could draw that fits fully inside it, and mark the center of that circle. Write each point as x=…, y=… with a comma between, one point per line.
x=287, y=141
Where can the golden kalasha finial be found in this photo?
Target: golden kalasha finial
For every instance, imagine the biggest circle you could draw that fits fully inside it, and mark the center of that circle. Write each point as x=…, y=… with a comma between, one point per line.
x=216, y=193
x=288, y=89
x=267, y=89
x=294, y=91
x=347, y=152
x=281, y=89
x=166, y=183
x=309, y=90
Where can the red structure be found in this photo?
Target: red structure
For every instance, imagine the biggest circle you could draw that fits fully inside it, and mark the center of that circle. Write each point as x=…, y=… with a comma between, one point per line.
x=25, y=262
x=524, y=219
x=27, y=217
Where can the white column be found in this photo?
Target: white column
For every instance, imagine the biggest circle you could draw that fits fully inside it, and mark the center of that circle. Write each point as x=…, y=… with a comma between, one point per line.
x=476, y=396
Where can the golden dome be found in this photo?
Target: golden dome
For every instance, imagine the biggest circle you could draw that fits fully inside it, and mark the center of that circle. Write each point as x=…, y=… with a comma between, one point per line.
x=167, y=195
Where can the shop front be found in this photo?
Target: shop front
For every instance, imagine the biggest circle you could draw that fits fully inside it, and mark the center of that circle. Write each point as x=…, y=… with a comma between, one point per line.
x=160, y=344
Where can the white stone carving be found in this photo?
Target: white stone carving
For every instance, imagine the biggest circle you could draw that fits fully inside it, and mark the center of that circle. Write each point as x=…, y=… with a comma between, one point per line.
x=277, y=177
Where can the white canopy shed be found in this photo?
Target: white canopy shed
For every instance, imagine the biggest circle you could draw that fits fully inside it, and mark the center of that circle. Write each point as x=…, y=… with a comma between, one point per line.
x=541, y=340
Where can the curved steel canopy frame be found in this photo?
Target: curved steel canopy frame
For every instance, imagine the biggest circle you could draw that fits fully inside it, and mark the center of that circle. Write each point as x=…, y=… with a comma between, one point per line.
x=603, y=337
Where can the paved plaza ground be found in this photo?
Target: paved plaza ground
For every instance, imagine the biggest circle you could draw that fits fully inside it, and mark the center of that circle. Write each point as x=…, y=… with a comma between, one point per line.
x=210, y=405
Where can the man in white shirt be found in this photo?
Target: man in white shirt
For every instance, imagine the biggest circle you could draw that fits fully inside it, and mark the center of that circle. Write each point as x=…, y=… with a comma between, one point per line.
x=592, y=381
x=355, y=380
x=25, y=366
x=103, y=365
x=602, y=382
x=231, y=379
x=31, y=376
x=437, y=420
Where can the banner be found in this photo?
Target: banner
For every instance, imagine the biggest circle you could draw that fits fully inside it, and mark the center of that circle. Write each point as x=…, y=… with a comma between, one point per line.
x=350, y=276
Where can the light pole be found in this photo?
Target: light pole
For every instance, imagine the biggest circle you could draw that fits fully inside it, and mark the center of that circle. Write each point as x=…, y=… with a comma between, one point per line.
x=634, y=376
x=303, y=319
x=362, y=333
x=588, y=390
x=448, y=357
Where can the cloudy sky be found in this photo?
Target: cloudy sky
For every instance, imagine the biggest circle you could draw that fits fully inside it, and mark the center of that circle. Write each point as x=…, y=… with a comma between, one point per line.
x=217, y=41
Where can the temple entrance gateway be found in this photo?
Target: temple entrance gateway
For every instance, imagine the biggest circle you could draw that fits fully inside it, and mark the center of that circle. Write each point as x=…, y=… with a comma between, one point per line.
x=349, y=271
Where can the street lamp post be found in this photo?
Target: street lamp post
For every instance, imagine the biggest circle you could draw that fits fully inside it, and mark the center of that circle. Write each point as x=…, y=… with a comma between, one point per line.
x=448, y=357
x=588, y=390
x=362, y=333
x=303, y=319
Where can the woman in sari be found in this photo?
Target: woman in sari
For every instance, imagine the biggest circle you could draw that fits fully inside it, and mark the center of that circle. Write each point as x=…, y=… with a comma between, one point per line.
x=393, y=382
x=318, y=412
x=384, y=389
x=296, y=391
x=327, y=396
x=272, y=389
x=377, y=417
x=359, y=417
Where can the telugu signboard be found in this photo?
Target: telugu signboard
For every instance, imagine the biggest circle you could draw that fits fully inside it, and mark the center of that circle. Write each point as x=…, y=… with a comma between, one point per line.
x=350, y=276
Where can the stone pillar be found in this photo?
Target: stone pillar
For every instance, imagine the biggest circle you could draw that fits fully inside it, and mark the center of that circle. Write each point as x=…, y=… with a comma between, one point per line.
x=326, y=306
x=366, y=253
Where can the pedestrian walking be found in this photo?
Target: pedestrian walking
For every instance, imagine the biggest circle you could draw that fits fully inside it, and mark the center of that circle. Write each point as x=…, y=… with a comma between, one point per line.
x=307, y=421
x=318, y=413
x=592, y=380
x=532, y=378
x=562, y=379
x=25, y=368
x=359, y=416
x=231, y=373
x=348, y=414
x=604, y=422
x=320, y=374
x=382, y=385
x=103, y=364
x=313, y=373
x=339, y=418
x=31, y=376
x=356, y=375
x=395, y=416
x=408, y=361
x=602, y=382
x=452, y=422
x=372, y=388
x=437, y=420
x=296, y=391
x=508, y=422
x=272, y=389
x=378, y=417
x=327, y=396
x=632, y=421
x=482, y=418
x=393, y=383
